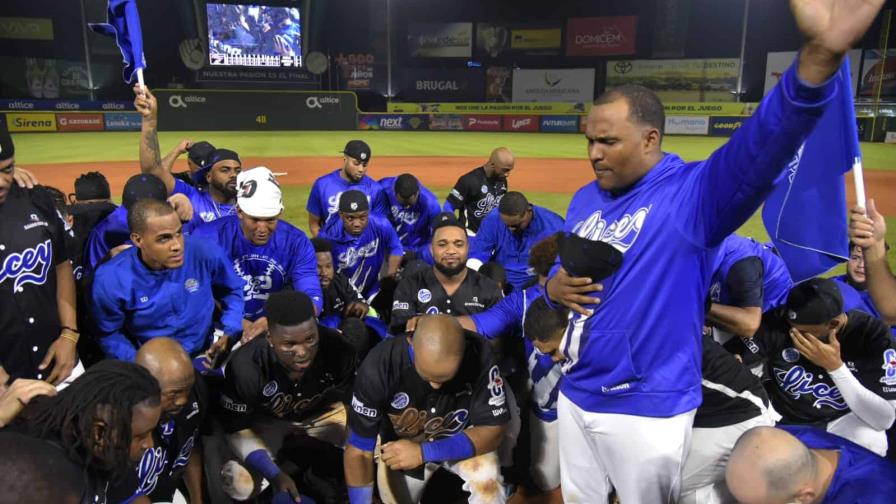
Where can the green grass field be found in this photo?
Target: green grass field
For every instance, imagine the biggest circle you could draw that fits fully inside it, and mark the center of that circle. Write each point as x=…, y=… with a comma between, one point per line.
x=115, y=146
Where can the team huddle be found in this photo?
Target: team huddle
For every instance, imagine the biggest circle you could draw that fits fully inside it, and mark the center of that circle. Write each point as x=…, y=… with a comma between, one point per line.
x=635, y=349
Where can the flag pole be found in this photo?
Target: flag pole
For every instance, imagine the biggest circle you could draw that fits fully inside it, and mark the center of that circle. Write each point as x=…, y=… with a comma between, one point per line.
x=858, y=181
x=140, y=80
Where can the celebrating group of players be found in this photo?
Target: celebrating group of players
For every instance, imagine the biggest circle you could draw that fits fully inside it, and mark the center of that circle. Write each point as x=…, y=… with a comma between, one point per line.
x=190, y=339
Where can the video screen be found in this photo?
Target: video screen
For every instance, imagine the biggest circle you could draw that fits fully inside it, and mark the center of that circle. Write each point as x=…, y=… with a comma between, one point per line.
x=254, y=35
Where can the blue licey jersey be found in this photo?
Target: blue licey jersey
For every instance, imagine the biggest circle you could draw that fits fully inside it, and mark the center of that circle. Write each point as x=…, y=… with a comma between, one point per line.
x=286, y=260
x=776, y=281
x=324, y=198
x=360, y=258
x=205, y=208
x=411, y=223
x=639, y=353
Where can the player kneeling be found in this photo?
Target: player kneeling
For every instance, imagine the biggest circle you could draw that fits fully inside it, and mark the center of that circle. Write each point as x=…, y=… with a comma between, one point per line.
x=435, y=400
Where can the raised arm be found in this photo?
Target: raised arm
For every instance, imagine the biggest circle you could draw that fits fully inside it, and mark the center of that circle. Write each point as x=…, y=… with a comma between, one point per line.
x=868, y=232
x=150, y=152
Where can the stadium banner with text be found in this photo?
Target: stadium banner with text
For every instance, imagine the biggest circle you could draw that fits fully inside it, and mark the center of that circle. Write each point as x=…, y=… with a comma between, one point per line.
x=601, y=36
x=553, y=85
x=440, y=40
x=26, y=104
x=776, y=63
x=687, y=125
x=536, y=38
x=427, y=84
x=446, y=122
x=80, y=122
x=694, y=80
x=123, y=121
x=26, y=28
x=725, y=126
x=489, y=108
x=357, y=70
x=392, y=122
x=559, y=124
x=204, y=110
x=482, y=122
x=21, y=122
x=705, y=108
x=520, y=123
x=878, y=72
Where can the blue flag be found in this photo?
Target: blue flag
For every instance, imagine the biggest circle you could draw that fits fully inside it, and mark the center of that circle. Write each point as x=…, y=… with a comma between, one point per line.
x=806, y=214
x=123, y=23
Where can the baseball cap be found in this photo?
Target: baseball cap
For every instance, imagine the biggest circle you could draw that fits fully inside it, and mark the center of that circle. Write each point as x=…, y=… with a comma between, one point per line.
x=814, y=301
x=216, y=156
x=357, y=149
x=353, y=201
x=143, y=186
x=593, y=259
x=199, y=152
x=92, y=186
x=258, y=193
x=7, y=149
x=445, y=219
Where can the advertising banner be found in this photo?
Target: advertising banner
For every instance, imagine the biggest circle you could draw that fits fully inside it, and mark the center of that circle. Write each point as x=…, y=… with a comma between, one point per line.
x=492, y=40
x=553, y=85
x=358, y=70
x=204, y=110
x=483, y=123
x=600, y=36
x=695, y=80
x=559, y=124
x=698, y=108
x=21, y=122
x=725, y=125
x=538, y=38
x=392, y=122
x=521, y=123
x=878, y=72
x=65, y=105
x=118, y=121
x=26, y=28
x=687, y=125
x=776, y=63
x=440, y=40
x=80, y=122
x=446, y=122
x=489, y=108
x=436, y=84
x=498, y=84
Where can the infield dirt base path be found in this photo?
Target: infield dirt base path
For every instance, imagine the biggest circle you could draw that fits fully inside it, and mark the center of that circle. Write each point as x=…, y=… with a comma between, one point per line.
x=530, y=174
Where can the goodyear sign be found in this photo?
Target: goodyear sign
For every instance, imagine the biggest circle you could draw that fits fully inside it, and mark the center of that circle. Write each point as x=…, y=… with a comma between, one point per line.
x=24, y=122
x=725, y=125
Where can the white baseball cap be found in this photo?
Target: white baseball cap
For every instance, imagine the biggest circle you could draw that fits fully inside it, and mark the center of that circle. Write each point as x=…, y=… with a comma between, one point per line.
x=258, y=193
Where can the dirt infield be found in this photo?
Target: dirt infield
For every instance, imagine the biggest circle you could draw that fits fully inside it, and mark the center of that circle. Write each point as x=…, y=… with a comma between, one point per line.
x=531, y=174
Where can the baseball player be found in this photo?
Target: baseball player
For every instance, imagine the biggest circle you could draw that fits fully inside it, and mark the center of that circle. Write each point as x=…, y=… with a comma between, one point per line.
x=293, y=381
x=632, y=380
x=449, y=286
x=219, y=172
x=748, y=279
x=434, y=400
x=830, y=368
x=175, y=456
x=411, y=209
x=267, y=253
x=479, y=191
x=803, y=464
x=853, y=286
x=38, y=319
x=198, y=155
x=362, y=243
x=165, y=285
x=506, y=236
x=323, y=202
x=734, y=401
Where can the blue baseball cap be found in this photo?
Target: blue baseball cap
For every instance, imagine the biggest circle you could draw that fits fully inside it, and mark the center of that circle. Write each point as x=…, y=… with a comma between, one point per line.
x=216, y=156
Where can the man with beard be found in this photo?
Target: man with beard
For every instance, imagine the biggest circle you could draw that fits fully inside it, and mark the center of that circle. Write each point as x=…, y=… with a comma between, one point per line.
x=362, y=243
x=323, y=202
x=449, y=286
x=478, y=192
x=165, y=285
x=219, y=171
x=175, y=455
x=267, y=253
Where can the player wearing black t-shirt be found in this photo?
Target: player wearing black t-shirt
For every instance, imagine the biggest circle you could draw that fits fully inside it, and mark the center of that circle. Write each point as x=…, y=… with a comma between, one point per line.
x=479, y=191
x=435, y=400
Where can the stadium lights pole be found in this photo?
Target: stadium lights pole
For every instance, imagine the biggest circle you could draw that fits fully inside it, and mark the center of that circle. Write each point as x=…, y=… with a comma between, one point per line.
x=743, y=50
x=388, y=50
x=87, y=51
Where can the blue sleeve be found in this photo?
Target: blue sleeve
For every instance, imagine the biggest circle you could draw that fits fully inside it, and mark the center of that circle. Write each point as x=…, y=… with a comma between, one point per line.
x=313, y=205
x=380, y=203
x=500, y=318
x=393, y=243
x=109, y=318
x=229, y=289
x=181, y=187
x=448, y=207
x=726, y=189
x=304, y=271
x=95, y=250
x=484, y=245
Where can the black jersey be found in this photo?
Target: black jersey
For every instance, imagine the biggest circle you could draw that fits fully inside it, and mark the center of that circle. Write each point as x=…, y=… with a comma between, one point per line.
x=477, y=195
x=731, y=393
x=420, y=293
x=803, y=392
x=256, y=384
x=32, y=244
x=391, y=400
x=338, y=295
x=161, y=468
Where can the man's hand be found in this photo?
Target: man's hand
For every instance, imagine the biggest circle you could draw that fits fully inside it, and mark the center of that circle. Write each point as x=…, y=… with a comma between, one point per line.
x=411, y=324
x=184, y=146
x=24, y=178
x=251, y=330
x=119, y=249
x=402, y=455
x=217, y=349
x=356, y=309
x=182, y=206
x=868, y=230
x=283, y=483
x=64, y=355
x=826, y=355
x=17, y=395
x=569, y=291
x=145, y=103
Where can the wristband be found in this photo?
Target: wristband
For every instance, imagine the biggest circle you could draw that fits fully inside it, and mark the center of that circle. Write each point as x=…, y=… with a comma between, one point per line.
x=456, y=447
x=360, y=494
x=73, y=339
x=261, y=461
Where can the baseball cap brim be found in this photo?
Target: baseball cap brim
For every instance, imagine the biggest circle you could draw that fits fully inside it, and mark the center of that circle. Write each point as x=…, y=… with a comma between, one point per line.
x=592, y=259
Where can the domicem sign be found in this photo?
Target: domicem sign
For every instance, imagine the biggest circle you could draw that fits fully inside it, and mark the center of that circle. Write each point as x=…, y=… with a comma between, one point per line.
x=601, y=36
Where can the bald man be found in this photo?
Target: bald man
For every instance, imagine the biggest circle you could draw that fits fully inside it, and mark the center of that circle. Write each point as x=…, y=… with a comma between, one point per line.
x=185, y=400
x=803, y=464
x=479, y=191
x=436, y=400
